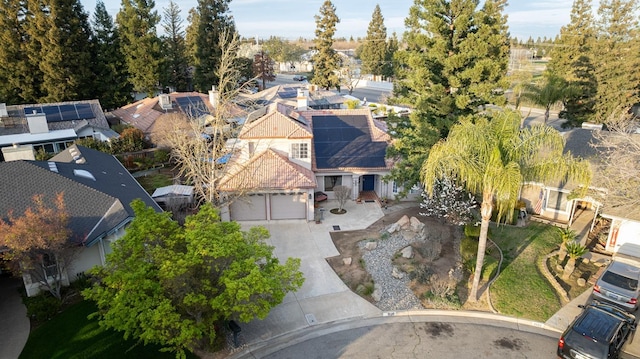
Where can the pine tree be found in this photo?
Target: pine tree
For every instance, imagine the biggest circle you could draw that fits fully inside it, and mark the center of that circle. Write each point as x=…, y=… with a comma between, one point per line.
x=618, y=58
x=572, y=59
x=35, y=26
x=392, y=46
x=176, y=66
x=374, y=50
x=112, y=85
x=140, y=44
x=66, y=52
x=326, y=62
x=455, y=63
x=13, y=61
x=212, y=21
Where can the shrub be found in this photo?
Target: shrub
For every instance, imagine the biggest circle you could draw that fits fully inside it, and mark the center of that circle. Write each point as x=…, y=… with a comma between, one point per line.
x=352, y=104
x=42, y=307
x=472, y=231
x=468, y=248
x=384, y=235
x=422, y=274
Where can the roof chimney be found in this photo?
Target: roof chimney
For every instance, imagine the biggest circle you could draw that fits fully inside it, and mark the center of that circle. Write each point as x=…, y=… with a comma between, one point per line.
x=303, y=99
x=37, y=122
x=213, y=97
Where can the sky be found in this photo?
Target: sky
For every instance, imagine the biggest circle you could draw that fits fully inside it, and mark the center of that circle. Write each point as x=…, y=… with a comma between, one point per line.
x=292, y=19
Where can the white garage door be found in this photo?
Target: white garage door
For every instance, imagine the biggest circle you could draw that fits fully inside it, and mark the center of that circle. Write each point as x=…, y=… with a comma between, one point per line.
x=288, y=206
x=249, y=208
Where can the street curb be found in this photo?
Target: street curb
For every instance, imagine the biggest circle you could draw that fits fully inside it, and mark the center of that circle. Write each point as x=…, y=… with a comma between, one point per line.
x=275, y=344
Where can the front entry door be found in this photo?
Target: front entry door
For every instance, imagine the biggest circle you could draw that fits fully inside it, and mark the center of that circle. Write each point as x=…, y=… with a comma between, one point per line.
x=368, y=182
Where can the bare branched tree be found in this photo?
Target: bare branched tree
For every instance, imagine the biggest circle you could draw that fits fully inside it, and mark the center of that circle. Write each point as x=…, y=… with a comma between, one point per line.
x=618, y=167
x=342, y=193
x=201, y=141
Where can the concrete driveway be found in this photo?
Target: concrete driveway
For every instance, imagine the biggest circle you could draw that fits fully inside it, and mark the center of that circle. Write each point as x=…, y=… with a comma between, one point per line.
x=323, y=298
x=14, y=324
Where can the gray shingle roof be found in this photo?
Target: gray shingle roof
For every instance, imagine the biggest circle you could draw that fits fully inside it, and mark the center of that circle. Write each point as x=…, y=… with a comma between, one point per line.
x=96, y=205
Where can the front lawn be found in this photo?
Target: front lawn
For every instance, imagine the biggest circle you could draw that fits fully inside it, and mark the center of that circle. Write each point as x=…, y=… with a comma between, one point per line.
x=71, y=335
x=521, y=290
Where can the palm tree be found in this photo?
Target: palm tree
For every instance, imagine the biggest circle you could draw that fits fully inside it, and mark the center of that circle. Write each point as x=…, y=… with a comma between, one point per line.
x=567, y=235
x=575, y=250
x=490, y=155
x=550, y=91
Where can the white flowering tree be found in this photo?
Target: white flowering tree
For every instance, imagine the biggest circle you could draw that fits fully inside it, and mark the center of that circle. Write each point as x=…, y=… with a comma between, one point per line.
x=449, y=201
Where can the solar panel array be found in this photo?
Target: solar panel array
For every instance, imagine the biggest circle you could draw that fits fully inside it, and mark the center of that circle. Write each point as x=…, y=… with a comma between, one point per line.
x=192, y=106
x=345, y=141
x=58, y=113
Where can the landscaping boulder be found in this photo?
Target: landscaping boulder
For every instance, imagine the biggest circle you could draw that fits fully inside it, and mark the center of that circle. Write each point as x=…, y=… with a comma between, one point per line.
x=582, y=282
x=397, y=273
x=393, y=228
x=407, y=252
x=371, y=246
x=403, y=222
x=416, y=225
x=347, y=261
x=377, y=293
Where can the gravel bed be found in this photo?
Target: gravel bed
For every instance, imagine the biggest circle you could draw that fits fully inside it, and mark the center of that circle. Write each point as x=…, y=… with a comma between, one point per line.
x=395, y=293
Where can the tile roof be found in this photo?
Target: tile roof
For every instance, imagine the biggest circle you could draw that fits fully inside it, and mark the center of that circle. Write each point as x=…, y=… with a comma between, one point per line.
x=279, y=122
x=269, y=170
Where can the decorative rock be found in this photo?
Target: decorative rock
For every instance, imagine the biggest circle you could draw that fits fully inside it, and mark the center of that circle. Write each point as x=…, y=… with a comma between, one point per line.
x=397, y=273
x=416, y=225
x=347, y=261
x=407, y=252
x=586, y=260
x=403, y=222
x=582, y=282
x=393, y=228
x=377, y=293
x=371, y=245
x=559, y=268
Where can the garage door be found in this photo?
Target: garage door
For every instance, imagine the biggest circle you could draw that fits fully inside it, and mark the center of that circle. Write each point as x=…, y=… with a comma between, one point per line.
x=288, y=206
x=249, y=208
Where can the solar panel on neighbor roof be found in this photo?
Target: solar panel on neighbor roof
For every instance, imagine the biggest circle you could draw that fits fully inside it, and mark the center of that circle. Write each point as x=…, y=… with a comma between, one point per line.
x=52, y=113
x=68, y=112
x=84, y=111
x=288, y=94
x=32, y=110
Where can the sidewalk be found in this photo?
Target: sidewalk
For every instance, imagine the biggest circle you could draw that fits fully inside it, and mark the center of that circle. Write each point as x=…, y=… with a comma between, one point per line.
x=14, y=325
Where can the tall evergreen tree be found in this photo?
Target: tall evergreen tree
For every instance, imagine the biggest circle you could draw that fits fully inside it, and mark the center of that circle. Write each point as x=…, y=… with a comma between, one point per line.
x=392, y=46
x=35, y=26
x=212, y=21
x=572, y=59
x=326, y=62
x=618, y=58
x=137, y=22
x=455, y=63
x=176, y=65
x=112, y=85
x=65, y=59
x=374, y=50
x=13, y=61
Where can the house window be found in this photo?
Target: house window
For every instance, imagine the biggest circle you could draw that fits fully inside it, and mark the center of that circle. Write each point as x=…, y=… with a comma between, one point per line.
x=49, y=266
x=331, y=181
x=415, y=189
x=395, y=187
x=299, y=150
x=557, y=200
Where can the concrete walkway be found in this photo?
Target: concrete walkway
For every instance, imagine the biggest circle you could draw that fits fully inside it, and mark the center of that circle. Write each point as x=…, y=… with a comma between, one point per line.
x=14, y=324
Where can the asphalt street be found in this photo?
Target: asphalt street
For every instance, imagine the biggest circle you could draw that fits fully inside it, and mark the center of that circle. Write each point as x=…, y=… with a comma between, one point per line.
x=423, y=340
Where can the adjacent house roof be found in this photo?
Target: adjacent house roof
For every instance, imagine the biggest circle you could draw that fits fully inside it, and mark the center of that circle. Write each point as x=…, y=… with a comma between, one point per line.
x=143, y=114
x=288, y=94
x=97, y=190
x=266, y=171
x=347, y=140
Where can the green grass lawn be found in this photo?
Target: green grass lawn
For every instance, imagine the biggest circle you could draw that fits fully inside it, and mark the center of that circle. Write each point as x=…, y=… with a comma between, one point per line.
x=521, y=290
x=151, y=182
x=71, y=335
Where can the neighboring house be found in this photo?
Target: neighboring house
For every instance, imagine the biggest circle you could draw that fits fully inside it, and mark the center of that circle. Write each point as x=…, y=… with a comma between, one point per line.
x=144, y=113
x=174, y=196
x=97, y=192
x=294, y=96
x=553, y=202
x=53, y=127
x=284, y=155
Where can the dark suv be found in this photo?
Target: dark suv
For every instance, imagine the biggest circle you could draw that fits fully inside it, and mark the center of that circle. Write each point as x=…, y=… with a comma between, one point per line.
x=599, y=331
